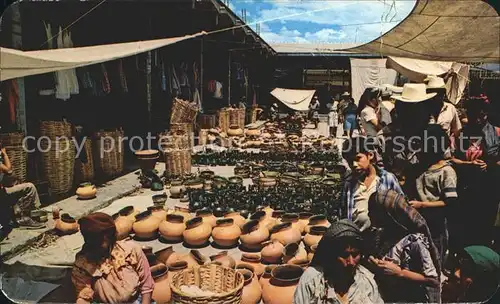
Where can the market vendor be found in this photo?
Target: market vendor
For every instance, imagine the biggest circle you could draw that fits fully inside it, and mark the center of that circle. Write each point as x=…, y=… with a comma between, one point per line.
x=335, y=274
x=314, y=111
x=107, y=270
x=273, y=111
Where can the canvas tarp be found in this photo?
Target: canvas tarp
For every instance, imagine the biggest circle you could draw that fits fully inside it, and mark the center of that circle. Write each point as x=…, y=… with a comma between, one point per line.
x=15, y=63
x=297, y=100
x=461, y=31
x=369, y=73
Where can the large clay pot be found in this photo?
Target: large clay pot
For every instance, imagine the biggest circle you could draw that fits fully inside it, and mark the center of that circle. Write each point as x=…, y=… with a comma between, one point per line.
x=264, y=219
x=294, y=219
x=223, y=259
x=158, y=211
x=304, y=220
x=196, y=183
x=234, y=130
x=207, y=216
x=314, y=236
x=253, y=260
x=317, y=220
x=286, y=234
x=293, y=252
x=281, y=287
x=64, y=224
x=176, y=188
x=226, y=233
x=311, y=253
x=175, y=268
x=123, y=227
x=147, y=159
x=161, y=291
x=194, y=259
x=172, y=228
x=129, y=212
x=266, y=276
x=184, y=211
x=168, y=256
x=148, y=252
x=86, y=191
x=197, y=232
x=252, y=132
x=272, y=252
x=253, y=235
x=237, y=218
x=252, y=292
x=277, y=215
x=146, y=226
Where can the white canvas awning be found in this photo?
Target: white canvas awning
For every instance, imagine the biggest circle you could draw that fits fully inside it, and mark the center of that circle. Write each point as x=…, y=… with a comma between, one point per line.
x=297, y=100
x=461, y=31
x=15, y=63
x=369, y=73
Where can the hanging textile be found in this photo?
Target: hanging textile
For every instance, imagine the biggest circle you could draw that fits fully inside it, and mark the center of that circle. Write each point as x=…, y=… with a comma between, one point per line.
x=106, y=87
x=254, y=99
x=62, y=81
x=369, y=73
x=73, y=80
x=13, y=99
x=218, y=90
x=456, y=84
x=123, y=78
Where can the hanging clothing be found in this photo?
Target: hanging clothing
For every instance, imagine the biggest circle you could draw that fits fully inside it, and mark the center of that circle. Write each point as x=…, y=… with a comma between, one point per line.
x=175, y=80
x=13, y=99
x=106, y=87
x=218, y=90
x=123, y=78
x=73, y=80
x=197, y=99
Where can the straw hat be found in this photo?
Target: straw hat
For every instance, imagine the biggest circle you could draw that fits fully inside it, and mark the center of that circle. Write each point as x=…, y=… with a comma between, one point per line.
x=346, y=94
x=435, y=82
x=393, y=88
x=414, y=92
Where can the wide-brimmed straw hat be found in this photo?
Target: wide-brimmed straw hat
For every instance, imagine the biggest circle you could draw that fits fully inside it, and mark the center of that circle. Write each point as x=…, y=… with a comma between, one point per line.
x=414, y=92
x=393, y=88
x=345, y=94
x=435, y=82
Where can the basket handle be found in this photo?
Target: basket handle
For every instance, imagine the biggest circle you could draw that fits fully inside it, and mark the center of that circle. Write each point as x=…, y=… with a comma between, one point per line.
x=197, y=280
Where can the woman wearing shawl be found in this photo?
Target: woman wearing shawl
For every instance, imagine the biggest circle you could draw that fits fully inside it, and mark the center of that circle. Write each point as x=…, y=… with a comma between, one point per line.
x=335, y=275
x=109, y=271
x=404, y=257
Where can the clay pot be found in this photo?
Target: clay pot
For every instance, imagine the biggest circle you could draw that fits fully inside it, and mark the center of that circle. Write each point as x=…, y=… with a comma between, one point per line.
x=252, y=292
x=197, y=232
x=266, y=276
x=146, y=226
x=207, y=185
x=129, y=212
x=223, y=259
x=314, y=236
x=148, y=252
x=294, y=219
x=207, y=216
x=312, y=251
x=176, y=188
x=194, y=184
x=293, y=252
x=253, y=235
x=160, y=199
x=207, y=174
x=220, y=182
x=147, y=159
x=183, y=211
x=226, y=233
x=161, y=290
x=168, y=256
x=236, y=180
x=286, y=234
x=277, y=215
x=175, y=268
x=253, y=260
x=172, y=228
x=237, y=218
x=158, y=211
x=86, y=191
x=65, y=224
x=303, y=263
x=264, y=219
x=317, y=220
x=234, y=130
x=123, y=227
x=282, y=285
x=304, y=220
x=194, y=259
x=272, y=252
x=267, y=182
x=252, y=132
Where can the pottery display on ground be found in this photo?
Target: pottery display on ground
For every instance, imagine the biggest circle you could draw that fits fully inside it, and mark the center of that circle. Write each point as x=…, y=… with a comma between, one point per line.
x=253, y=235
x=294, y=219
x=293, y=252
x=272, y=252
x=86, y=191
x=172, y=228
x=161, y=291
x=197, y=232
x=282, y=285
x=223, y=259
x=317, y=220
x=146, y=226
x=184, y=211
x=252, y=292
x=226, y=233
x=266, y=276
x=123, y=226
x=253, y=260
x=64, y=224
x=237, y=218
x=176, y=188
x=285, y=234
x=314, y=236
x=207, y=216
x=147, y=159
x=158, y=211
x=167, y=256
x=311, y=253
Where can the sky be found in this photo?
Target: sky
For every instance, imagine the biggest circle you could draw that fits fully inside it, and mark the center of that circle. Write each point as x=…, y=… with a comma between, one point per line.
x=322, y=21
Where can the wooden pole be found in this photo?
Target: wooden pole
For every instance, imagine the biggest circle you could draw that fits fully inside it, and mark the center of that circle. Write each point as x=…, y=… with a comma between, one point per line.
x=229, y=80
x=201, y=73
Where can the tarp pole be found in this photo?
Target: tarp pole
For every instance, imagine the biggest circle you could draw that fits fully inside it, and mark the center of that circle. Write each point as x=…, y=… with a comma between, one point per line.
x=229, y=80
x=201, y=72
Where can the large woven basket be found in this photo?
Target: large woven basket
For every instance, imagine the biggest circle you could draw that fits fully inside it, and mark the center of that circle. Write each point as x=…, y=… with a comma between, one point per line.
x=109, y=152
x=87, y=172
x=183, y=112
x=177, y=162
x=237, y=117
x=18, y=156
x=225, y=282
x=181, y=129
x=208, y=121
x=58, y=155
x=223, y=115
x=203, y=137
x=177, y=140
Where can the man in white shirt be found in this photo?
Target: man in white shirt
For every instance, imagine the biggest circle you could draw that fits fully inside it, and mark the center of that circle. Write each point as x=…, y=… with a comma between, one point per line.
x=447, y=117
x=333, y=117
x=371, y=114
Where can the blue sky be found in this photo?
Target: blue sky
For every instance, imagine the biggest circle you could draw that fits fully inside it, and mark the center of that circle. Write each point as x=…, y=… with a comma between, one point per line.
x=323, y=21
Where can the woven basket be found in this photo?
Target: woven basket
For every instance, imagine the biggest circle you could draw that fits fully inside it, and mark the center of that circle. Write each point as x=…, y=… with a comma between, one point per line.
x=237, y=117
x=87, y=172
x=227, y=283
x=223, y=119
x=13, y=143
x=177, y=129
x=109, y=152
x=203, y=137
x=208, y=121
x=174, y=141
x=254, y=112
x=58, y=160
x=183, y=112
x=177, y=162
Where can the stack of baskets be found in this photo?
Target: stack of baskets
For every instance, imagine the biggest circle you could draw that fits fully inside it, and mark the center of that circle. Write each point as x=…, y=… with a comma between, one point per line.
x=224, y=119
x=237, y=117
x=109, y=152
x=183, y=129
x=58, y=155
x=13, y=144
x=183, y=112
